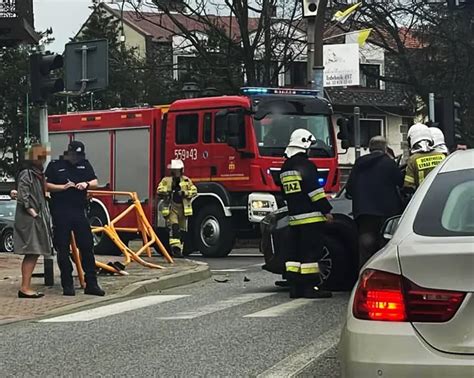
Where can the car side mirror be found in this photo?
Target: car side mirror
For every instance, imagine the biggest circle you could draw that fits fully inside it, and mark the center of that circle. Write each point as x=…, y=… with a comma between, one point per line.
x=345, y=144
x=390, y=226
x=343, y=128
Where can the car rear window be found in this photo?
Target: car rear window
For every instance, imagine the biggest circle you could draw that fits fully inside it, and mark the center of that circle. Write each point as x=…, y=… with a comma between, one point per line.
x=448, y=207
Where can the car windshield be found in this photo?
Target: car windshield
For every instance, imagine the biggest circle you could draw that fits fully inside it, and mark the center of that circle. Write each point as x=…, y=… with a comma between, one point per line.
x=274, y=130
x=448, y=207
x=7, y=209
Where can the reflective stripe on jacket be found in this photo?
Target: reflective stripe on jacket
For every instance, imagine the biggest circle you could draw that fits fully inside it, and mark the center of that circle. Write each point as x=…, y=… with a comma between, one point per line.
x=306, y=199
x=165, y=189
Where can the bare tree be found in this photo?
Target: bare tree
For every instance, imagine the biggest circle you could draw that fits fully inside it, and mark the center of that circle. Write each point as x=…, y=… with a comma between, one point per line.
x=433, y=45
x=261, y=35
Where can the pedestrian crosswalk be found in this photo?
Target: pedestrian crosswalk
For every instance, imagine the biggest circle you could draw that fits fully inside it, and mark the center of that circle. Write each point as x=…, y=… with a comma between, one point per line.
x=218, y=306
x=264, y=305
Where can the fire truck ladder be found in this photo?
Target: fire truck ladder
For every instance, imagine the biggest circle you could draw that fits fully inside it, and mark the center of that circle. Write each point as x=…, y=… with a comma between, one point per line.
x=144, y=227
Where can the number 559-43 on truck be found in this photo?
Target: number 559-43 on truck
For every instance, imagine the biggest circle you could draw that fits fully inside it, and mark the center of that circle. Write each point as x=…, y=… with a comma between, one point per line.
x=232, y=147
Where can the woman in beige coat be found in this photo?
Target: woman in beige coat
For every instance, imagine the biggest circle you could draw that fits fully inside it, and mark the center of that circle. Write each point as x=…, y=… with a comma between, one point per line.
x=32, y=233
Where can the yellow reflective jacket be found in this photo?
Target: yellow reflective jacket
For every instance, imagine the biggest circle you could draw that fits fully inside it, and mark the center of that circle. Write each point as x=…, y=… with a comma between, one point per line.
x=419, y=165
x=165, y=189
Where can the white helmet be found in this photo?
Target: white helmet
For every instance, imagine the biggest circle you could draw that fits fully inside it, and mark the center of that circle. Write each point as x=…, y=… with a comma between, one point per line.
x=300, y=141
x=420, y=133
x=176, y=164
x=439, y=144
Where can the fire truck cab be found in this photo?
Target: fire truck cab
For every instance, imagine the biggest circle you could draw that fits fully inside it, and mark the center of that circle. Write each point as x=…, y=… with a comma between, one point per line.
x=232, y=148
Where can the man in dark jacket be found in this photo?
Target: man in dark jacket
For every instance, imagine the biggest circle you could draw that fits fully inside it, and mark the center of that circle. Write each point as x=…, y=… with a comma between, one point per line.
x=374, y=187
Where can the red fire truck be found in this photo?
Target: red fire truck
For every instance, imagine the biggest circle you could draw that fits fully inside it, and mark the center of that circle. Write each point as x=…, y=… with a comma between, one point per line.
x=232, y=147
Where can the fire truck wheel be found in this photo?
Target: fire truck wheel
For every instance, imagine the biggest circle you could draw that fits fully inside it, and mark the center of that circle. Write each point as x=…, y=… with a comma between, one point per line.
x=338, y=273
x=213, y=232
x=102, y=244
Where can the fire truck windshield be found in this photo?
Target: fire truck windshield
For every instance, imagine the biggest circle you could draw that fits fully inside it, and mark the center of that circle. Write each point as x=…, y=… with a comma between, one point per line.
x=274, y=130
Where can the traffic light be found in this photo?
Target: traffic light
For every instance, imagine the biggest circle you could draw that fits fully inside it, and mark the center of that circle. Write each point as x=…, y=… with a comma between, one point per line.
x=447, y=116
x=43, y=84
x=310, y=8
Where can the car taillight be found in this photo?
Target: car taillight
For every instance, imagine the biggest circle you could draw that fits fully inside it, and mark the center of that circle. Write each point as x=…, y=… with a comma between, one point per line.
x=390, y=297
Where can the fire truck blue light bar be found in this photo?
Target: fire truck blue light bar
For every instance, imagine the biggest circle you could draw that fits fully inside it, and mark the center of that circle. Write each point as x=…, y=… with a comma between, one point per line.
x=277, y=91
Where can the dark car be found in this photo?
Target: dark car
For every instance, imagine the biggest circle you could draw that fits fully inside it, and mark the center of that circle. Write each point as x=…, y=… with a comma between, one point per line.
x=7, y=218
x=339, y=265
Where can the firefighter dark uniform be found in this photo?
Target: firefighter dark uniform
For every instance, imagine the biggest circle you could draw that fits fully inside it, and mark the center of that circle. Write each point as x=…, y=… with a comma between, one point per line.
x=307, y=209
x=176, y=193
x=68, y=210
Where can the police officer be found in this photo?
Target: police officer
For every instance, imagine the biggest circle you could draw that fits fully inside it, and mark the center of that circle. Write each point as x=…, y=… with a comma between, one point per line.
x=68, y=180
x=176, y=191
x=308, y=209
x=423, y=158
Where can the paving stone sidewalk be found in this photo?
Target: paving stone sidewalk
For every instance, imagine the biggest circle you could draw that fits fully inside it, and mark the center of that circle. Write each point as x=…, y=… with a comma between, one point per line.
x=139, y=281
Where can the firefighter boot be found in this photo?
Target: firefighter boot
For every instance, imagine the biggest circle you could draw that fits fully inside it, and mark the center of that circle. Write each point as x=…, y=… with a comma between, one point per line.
x=296, y=290
x=93, y=288
x=313, y=292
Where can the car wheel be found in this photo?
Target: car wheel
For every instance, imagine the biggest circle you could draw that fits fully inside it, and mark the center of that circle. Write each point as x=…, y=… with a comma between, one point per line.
x=7, y=241
x=212, y=232
x=102, y=244
x=336, y=269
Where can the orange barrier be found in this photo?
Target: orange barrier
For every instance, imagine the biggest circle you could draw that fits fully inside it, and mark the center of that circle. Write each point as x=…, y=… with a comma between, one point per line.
x=144, y=227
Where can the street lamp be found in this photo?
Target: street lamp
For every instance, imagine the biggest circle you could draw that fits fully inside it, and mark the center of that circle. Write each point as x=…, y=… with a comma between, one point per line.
x=190, y=90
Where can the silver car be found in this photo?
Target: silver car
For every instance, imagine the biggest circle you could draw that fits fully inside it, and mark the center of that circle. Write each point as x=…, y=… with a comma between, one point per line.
x=411, y=314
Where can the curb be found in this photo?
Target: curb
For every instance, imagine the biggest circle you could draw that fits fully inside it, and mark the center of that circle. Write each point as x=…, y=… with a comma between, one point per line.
x=199, y=273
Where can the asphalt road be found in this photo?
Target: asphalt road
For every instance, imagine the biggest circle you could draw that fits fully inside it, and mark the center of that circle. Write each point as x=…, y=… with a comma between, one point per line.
x=235, y=324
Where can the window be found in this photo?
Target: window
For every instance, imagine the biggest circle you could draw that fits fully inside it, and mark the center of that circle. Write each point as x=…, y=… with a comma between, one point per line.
x=220, y=133
x=207, y=128
x=274, y=130
x=369, y=74
x=296, y=75
x=187, y=126
x=448, y=207
x=187, y=66
x=368, y=129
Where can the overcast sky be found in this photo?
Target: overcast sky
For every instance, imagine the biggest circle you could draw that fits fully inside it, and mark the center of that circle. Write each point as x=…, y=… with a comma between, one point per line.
x=64, y=16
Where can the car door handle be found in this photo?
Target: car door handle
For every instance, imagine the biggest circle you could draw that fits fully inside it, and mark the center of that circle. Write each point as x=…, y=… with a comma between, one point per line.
x=213, y=170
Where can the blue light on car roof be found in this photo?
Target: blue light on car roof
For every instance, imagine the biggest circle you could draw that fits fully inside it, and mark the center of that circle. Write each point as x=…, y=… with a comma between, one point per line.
x=254, y=90
x=321, y=181
x=278, y=91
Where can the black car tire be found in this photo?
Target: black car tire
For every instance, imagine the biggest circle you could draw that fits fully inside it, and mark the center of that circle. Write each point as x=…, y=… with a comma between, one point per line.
x=337, y=262
x=7, y=241
x=102, y=243
x=212, y=232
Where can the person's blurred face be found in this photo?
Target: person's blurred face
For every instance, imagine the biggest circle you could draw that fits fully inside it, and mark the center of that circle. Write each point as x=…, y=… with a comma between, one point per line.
x=38, y=155
x=176, y=172
x=73, y=157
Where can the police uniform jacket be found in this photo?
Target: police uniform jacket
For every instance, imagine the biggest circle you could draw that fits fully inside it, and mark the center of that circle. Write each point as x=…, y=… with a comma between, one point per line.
x=61, y=171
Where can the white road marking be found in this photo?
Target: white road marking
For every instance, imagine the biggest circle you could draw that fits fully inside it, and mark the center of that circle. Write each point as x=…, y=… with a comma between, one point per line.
x=297, y=362
x=281, y=309
x=227, y=270
x=113, y=309
x=218, y=306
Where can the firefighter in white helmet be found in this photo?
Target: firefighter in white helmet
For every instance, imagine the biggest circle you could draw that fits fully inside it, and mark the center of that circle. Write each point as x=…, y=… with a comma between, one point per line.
x=308, y=210
x=176, y=191
x=439, y=144
x=423, y=157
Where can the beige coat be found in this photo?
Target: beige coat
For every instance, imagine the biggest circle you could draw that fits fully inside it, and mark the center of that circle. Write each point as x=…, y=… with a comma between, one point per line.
x=32, y=236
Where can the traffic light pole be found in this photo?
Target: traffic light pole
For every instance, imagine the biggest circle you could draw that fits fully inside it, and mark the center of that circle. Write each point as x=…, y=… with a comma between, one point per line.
x=357, y=131
x=43, y=123
x=317, y=77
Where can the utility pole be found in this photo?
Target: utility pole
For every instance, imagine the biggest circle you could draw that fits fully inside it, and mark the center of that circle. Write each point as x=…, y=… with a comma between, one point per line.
x=315, y=11
x=318, y=63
